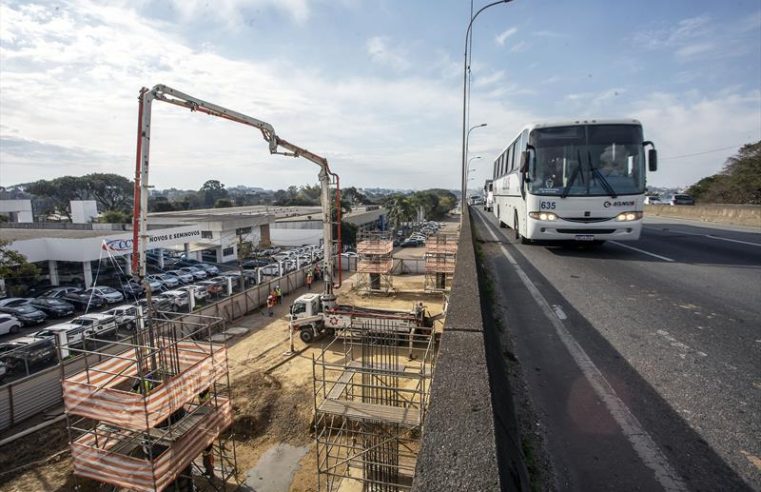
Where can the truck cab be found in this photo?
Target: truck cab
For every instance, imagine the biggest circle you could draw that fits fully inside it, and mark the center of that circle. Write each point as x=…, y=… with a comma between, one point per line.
x=306, y=306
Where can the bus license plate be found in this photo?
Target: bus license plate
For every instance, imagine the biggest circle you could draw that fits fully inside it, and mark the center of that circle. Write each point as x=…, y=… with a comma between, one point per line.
x=585, y=237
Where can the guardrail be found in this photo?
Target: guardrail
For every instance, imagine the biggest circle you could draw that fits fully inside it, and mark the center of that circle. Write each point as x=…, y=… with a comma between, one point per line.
x=743, y=215
x=467, y=442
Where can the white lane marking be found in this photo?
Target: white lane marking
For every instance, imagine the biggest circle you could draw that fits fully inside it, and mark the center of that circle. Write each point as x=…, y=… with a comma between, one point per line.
x=559, y=312
x=640, y=251
x=640, y=440
x=682, y=348
x=711, y=236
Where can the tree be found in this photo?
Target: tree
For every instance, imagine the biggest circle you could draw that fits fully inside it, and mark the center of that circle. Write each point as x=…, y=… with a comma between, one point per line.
x=111, y=191
x=15, y=270
x=61, y=191
x=738, y=182
x=211, y=191
x=115, y=217
x=400, y=209
x=223, y=203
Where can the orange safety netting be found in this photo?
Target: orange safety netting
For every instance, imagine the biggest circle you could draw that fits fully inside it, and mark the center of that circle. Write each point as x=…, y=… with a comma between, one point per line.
x=369, y=266
x=439, y=265
x=93, y=393
x=375, y=247
x=97, y=458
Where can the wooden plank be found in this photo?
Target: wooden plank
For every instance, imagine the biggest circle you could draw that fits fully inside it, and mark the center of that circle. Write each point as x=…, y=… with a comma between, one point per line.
x=369, y=411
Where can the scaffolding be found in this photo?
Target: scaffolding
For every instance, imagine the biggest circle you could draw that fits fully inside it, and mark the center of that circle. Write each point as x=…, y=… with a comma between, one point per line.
x=149, y=412
x=440, y=260
x=375, y=263
x=371, y=391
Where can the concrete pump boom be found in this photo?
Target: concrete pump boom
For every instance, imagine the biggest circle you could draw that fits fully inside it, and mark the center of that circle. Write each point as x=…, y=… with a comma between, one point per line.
x=142, y=167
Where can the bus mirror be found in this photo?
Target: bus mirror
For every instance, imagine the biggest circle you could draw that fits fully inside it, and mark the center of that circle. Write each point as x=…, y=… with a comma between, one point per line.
x=524, y=162
x=652, y=158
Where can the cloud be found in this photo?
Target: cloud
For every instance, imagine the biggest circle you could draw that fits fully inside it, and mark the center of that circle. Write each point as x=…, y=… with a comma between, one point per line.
x=520, y=47
x=502, y=37
x=234, y=13
x=489, y=79
x=380, y=52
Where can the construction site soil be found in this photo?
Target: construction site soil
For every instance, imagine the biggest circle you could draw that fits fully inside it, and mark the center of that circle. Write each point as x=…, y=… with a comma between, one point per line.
x=272, y=397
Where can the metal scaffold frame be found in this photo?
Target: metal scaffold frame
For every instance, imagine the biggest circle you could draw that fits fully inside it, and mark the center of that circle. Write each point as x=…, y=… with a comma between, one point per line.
x=440, y=261
x=375, y=263
x=371, y=392
x=151, y=412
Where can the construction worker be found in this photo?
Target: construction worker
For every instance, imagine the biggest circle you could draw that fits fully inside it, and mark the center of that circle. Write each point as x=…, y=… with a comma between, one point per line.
x=271, y=303
x=310, y=277
x=278, y=294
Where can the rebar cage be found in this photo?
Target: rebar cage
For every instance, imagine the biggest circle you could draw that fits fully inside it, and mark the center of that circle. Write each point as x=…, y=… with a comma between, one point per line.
x=150, y=412
x=371, y=390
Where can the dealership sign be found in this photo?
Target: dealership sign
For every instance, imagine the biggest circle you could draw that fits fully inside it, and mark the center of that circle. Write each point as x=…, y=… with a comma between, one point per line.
x=155, y=240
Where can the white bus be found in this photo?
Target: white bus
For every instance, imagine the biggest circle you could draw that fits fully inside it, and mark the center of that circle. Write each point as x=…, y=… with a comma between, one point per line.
x=575, y=180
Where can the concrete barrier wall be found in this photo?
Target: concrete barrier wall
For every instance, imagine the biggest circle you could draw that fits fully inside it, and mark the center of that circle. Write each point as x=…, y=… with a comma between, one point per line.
x=464, y=440
x=743, y=215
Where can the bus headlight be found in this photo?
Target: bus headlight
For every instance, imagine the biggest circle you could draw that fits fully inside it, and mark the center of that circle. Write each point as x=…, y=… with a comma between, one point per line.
x=543, y=215
x=628, y=216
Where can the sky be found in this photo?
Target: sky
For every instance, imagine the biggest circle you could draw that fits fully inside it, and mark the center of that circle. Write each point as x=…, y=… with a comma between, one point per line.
x=374, y=86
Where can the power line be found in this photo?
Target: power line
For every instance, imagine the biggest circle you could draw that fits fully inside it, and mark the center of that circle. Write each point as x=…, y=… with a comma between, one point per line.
x=702, y=153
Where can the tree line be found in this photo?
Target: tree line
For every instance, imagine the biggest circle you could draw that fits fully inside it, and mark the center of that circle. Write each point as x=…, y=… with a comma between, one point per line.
x=739, y=181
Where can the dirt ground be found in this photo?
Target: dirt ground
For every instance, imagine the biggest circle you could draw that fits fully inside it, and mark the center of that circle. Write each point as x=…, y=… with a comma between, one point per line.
x=273, y=400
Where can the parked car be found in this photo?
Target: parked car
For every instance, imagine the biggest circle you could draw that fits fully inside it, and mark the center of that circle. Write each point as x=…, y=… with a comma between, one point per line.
x=108, y=294
x=184, y=277
x=653, y=200
x=55, y=308
x=131, y=289
x=84, y=300
x=254, y=263
x=196, y=272
x=270, y=271
x=96, y=323
x=214, y=286
x=57, y=292
x=24, y=312
x=125, y=316
x=411, y=243
x=73, y=334
x=682, y=199
x=180, y=298
x=206, y=267
x=349, y=254
x=166, y=281
x=9, y=324
x=24, y=352
x=199, y=291
x=161, y=302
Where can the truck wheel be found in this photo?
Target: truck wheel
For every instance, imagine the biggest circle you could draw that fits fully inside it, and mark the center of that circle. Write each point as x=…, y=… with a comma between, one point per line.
x=306, y=335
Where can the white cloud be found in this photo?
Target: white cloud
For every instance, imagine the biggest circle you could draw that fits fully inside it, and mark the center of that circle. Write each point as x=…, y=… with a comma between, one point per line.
x=502, y=37
x=697, y=123
x=489, y=79
x=379, y=50
x=520, y=47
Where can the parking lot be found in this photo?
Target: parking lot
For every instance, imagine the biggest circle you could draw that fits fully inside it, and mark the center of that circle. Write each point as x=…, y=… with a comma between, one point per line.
x=109, y=312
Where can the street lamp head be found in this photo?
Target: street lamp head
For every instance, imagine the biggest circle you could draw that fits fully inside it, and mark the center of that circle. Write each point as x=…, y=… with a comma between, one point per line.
x=482, y=124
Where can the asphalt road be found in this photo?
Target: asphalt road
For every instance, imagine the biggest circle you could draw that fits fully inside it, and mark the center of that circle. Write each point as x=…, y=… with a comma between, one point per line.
x=642, y=366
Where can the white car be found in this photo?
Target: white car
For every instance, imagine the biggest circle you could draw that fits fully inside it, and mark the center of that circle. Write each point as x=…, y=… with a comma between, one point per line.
x=125, y=316
x=108, y=294
x=180, y=297
x=183, y=277
x=9, y=324
x=271, y=270
x=96, y=323
x=199, y=291
x=168, y=281
x=653, y=200
x=349, y=254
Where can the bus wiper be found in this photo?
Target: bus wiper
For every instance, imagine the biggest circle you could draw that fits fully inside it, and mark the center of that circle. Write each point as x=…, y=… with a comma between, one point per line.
x=604, y=182
x=575, y=172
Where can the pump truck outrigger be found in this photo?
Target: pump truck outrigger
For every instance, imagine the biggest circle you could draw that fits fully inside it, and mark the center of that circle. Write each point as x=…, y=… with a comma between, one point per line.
x=140, y=222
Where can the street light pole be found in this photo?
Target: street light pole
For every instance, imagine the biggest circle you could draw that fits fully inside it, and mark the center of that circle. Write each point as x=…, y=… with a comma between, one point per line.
x=465, y=101
x=467, y=138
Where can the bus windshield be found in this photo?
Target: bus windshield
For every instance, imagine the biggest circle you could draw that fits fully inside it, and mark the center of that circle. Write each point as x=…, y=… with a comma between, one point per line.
x=587, y=160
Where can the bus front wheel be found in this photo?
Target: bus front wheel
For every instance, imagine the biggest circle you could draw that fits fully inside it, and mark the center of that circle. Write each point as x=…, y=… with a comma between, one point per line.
x=518, y=236
x=502, y=225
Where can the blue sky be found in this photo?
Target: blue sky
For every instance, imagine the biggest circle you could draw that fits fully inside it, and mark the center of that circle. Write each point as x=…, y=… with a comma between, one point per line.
x=375, y=86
